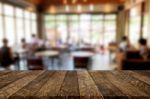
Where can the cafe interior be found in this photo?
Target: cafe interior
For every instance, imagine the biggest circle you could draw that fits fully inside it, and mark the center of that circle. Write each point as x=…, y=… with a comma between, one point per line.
x=74, y=35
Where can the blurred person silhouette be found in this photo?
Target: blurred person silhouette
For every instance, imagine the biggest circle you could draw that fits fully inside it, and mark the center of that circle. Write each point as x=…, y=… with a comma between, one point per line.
x=34, y=40
x=6, y=56
x=33, y=45
x=24, y=45
x=144, y=50
x=125, y=44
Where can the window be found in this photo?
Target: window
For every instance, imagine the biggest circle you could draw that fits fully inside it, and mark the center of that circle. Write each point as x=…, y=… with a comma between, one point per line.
x=33, y=16
x=10, y=30
x=28, y=26
x=97, y=29
x=61, y=31
x=84, y=28
x=19, y=13
x=134, y=34
x=1, y=31
x=97, y=32
x=146, y=28
x=27, y=15
x=34, y=23
x=0, y=8
x=135, y=22
x=87, y=28
x=97, y=17
x=50, y=29
x=19, y=29
x=61, y=17
x=74, y=31
x=8, y=10
x=85, y=17
x=110, y=31
x=73, y=17
x=34, y=27
x=9, y=24
x=18, y=24
x=110, y=17
x=28, y=30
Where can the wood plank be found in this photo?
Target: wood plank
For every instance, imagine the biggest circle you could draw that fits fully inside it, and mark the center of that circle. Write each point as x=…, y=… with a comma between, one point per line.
x=146, y=73
x=70, y=88
x=17, y=85
x=11, y=77
x=141, y=77
x=126, y=88
x=53, y=85
x=107, y=89
x=4, y=73
x=87, y=87
x=128, y=77
x=75, y=85
x=34, y=86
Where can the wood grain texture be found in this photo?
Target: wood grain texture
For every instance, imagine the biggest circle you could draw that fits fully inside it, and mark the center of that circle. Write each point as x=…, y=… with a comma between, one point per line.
x=9, y=90
x=105, y=86
x=87, y=87
x=128, y=89
x=69, y=87
x=75, y=85
x=52, y=86
x=33, y=86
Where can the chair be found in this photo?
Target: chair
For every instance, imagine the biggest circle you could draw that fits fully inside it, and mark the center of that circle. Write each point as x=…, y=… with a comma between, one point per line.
x=35, y=64
x=136, y=64
x=132, y=60
x=81, y=62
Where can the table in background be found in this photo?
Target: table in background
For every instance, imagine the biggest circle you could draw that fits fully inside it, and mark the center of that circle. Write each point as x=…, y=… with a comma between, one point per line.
x=47, y=53
x=52, y=54
x=82, y=58
x=75, y=84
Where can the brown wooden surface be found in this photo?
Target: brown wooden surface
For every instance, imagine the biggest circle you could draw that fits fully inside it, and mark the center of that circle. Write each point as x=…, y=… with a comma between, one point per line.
x=75, y=85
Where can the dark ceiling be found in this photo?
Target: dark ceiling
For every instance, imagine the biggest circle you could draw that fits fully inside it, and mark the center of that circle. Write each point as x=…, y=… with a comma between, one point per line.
x=43, y=4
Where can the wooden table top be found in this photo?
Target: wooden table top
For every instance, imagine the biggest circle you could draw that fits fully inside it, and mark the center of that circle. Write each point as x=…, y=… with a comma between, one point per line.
x=47, y=53
x=82, y=54
x=75, y=84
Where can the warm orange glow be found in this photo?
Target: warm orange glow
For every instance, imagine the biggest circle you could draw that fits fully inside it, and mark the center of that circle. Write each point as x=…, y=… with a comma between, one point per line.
x=67, y=8
x=85, y=0
x=65, y=1
x=52, y=9
x=79, y=8
x=74, y=1
x=91, y=7
x=108, y=8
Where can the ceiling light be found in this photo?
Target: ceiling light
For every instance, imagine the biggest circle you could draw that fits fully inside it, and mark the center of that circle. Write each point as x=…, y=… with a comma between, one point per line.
x=65, y=1
x=52, y=9
x=91, y=7
x=67, y=8
x=79, y=8
x=85, y=0
x=74, y=1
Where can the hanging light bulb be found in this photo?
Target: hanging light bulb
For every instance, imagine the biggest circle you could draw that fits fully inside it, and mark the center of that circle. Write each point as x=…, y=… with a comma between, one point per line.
x=74, y=1
x=91, y=7
x=64, y=1
x=79, y=8
x=52, y=9
x=67, y=8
